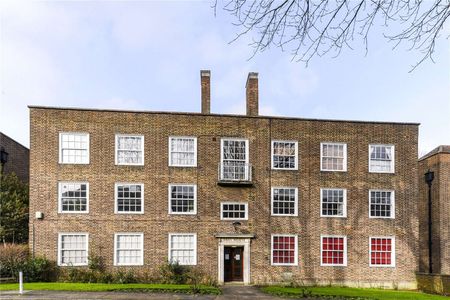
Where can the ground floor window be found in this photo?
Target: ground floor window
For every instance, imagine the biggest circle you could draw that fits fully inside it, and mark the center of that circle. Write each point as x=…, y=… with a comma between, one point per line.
x=129, y=248
x=333, y=251
x=183, y=248
x=73, y=249
x=382, y=251
x=284, y=250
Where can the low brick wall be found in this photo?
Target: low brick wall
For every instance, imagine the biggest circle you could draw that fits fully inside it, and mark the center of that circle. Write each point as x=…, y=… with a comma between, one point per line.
x=434, y=283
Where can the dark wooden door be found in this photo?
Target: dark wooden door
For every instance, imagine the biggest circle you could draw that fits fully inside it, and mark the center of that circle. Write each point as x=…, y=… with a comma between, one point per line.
x=234, y=263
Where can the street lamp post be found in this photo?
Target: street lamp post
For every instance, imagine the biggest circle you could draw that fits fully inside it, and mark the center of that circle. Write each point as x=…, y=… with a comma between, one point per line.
x=429, y=176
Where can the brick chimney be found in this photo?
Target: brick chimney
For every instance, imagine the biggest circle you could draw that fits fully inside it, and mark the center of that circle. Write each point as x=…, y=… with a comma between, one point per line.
x=252, y=94
x=205, y=78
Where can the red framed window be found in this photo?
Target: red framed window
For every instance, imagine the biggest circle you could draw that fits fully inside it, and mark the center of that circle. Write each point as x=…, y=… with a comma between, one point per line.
x=284, y=250
x=381, y=251
x=334, y=250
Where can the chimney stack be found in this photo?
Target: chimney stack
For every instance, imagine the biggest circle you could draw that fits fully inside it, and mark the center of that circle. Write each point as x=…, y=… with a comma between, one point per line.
x=205, y=78
x=252, y=94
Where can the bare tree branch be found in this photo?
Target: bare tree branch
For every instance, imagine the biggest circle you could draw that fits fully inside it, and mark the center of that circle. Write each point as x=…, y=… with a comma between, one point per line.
x=310, y=28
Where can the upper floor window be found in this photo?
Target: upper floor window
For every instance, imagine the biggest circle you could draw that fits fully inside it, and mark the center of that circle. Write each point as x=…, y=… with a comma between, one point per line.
x=73, y=148
x=128, y=249
x=129, y=198
x=73, y=197
x=381, y=158
x=183, y=199
x=284, y=201
x=73, y=249
x=333, y=203
x=333, y=250
x=333, y=157
x=381, y=204
x=183, y=248
x=182, y=151
x=233, y=211
x=234, y=160
x=284, y=155
x=129, y=149
x=284, y=250
x=382, y=251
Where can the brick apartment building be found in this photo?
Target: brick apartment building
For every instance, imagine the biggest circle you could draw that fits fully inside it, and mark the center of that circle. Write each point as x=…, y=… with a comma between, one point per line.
x=247, y=198
x=438, y=162
x=14, y=158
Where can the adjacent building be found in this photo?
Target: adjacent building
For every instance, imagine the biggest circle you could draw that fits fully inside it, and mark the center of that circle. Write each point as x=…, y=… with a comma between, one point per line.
x=247, y=198
x=437, y=162
x=14, y=158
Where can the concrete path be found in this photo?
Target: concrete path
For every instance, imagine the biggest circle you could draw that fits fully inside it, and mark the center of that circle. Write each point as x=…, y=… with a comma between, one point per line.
x=229, y=293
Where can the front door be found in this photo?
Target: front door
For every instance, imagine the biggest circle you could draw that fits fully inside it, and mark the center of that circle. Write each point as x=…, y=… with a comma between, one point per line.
x=233, y=264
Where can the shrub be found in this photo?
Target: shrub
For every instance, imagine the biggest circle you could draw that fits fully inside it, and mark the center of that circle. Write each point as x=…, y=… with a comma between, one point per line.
x=125, y=277
x=40, y=269
x=12, y=259
x=174, y=273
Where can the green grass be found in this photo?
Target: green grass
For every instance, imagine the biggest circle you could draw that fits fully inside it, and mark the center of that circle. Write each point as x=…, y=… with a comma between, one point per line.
x=104, y=287
x=378, y=294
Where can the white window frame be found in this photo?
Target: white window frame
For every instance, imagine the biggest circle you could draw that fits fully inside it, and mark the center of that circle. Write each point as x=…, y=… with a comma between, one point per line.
x=321, y=250
x=295, y=236
x=233, y=203
x=60, y=160
x=169, y=199
x=116, y=157
x=60, y=234
x=393, y=256
x=60, y=210
x=195, y=151
x=195, y=247
x=392, y=204
x=296, y=155
x=392, y=161
x=247, y=145
x=344, y=194
x=344, y=162
x=116, y=200
x=295, y=214
x=116, y=258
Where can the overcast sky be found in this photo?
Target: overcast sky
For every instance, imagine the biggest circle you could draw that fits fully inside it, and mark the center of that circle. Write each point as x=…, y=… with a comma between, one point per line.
x=147, y=55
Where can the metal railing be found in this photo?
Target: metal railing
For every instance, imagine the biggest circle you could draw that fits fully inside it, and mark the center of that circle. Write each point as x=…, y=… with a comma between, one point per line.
x=235, y=171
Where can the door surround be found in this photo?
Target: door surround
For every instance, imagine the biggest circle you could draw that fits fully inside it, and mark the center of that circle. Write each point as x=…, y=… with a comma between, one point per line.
x=229, y=240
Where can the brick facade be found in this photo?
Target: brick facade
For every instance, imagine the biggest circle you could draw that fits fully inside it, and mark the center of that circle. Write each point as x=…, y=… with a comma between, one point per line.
x=101, y=222
x=437, y=161
x=18, y=158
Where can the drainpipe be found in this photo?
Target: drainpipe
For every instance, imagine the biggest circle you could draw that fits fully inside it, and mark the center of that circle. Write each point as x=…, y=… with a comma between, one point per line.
x=429, y=176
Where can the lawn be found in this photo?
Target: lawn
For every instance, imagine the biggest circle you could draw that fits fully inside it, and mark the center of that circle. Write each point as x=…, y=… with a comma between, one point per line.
x=353, y=292
x=104, y=287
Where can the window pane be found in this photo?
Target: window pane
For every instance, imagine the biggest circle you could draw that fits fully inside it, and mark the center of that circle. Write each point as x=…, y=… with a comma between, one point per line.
x=333, y=251
x=381, y=251
x=182, y=151
x=129, y=249
x=381, y=204
x=283, y=249
x=129, y=150
x=381, y=159
x=182, y=199
x=73, y=249
x=74, y=148
x=182, y=249
x=333, y=157
x=284, y=155
x=233, y=211
x=284, y=201
x=73, y=196
x=129, y=198
x=333, y=203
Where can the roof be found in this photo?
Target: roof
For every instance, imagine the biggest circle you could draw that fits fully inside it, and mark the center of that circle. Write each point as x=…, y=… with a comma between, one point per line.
x=440, y=149
x=2, y=135
x=218, y=115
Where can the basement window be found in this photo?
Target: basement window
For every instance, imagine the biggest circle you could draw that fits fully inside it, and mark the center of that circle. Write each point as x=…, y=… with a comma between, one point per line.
x=284, y=250
x=382, y=251
x=333, y=157
x=129, y=249
x=284, y=155
x=129, y=150
x=73, y=249
x=73, y=148
x=183, y=248
x=382, y=204
x=182, y=199
x=381, y=158
x=333, y=251
x=182, y=151
x=284, y=201
x=333, y=203
x=129, y=198
x=73, y=197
